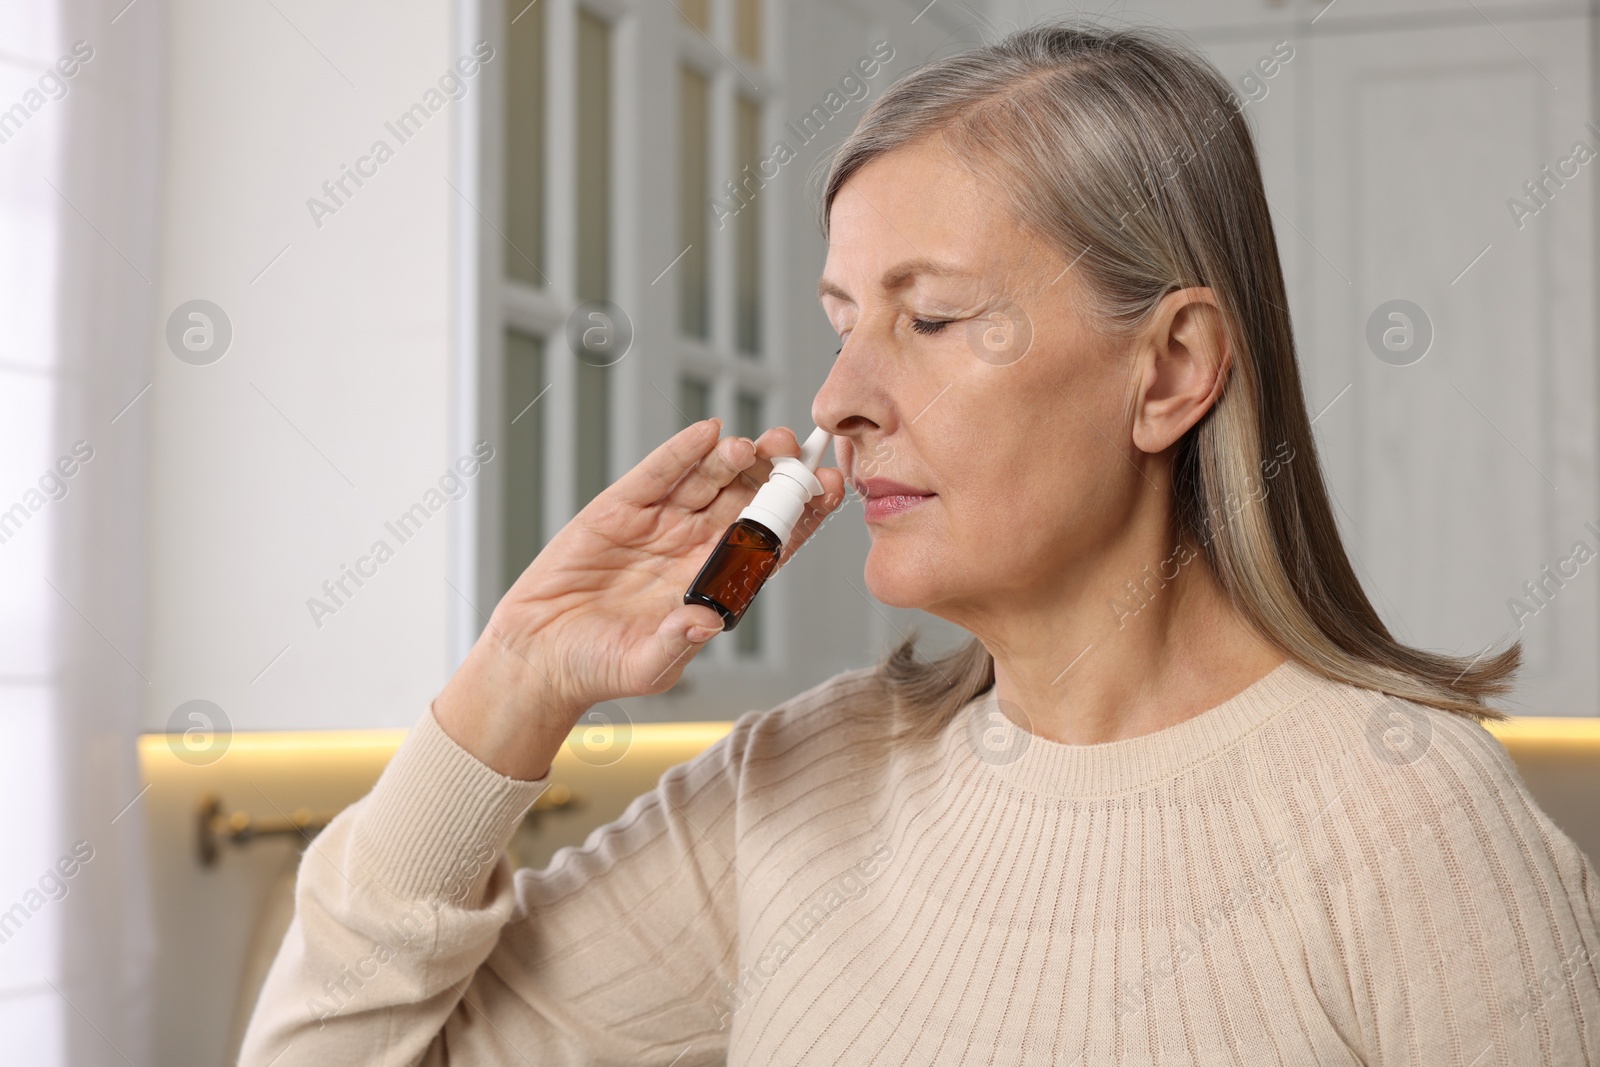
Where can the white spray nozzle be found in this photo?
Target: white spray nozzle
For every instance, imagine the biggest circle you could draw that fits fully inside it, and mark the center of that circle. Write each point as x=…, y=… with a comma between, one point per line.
x=778, y=504
x=811, y=452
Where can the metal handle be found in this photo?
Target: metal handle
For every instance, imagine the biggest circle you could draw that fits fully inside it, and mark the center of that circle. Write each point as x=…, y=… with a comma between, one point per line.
x=214, y=829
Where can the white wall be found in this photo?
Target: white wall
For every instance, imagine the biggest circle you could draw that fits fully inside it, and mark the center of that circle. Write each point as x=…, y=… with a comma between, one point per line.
x=328, y=415
x=77, y=237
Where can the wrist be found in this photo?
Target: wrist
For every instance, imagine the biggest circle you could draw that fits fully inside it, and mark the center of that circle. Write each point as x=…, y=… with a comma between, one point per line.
x=504, y=710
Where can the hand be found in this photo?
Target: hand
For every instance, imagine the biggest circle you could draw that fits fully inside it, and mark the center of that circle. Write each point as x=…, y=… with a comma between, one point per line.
x=599, y=613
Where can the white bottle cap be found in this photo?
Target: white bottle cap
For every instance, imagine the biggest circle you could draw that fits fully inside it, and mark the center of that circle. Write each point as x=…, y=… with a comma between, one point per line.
x=779, y=503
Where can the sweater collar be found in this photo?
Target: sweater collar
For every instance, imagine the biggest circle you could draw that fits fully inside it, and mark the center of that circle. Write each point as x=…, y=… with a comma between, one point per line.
x=986, y=738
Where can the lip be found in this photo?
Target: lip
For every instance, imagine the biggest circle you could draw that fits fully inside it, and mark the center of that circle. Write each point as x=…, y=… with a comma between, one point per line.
x=871, y=487
x=886, y=497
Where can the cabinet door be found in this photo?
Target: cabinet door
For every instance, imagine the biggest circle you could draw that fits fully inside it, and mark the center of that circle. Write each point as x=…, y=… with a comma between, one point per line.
x=1461, y=476
x=1502, y=13
x=1206, y=16
x=1273, y=109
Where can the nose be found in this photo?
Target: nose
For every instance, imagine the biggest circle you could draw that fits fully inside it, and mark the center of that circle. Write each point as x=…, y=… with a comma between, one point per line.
x=852, y=401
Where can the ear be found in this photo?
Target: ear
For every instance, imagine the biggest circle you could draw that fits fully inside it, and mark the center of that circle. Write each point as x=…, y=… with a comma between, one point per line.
x=1181, y=365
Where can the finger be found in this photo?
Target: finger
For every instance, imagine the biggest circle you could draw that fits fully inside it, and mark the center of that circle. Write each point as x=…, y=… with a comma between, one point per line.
x=817, y=511
x=702, y=484
x=655, y=475
x=778, y=441
x=681, y=634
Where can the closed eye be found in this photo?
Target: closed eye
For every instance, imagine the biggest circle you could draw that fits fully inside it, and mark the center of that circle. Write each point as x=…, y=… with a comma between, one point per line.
x=929, y=325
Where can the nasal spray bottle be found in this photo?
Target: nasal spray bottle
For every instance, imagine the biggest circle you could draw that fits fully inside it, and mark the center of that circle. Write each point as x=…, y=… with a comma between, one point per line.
x=748, y=553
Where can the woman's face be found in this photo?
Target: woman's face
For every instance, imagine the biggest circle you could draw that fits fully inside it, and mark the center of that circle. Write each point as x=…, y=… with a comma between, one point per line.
x=969, y=374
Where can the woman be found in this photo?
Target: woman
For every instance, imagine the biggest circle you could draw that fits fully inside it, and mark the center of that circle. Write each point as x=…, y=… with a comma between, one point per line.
x=1183, y=799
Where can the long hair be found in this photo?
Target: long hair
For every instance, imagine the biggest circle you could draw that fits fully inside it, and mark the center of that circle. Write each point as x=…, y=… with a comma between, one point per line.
x=1130, y=154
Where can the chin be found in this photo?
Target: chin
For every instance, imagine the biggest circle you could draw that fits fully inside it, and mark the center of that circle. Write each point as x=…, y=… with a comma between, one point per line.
x=901, y=579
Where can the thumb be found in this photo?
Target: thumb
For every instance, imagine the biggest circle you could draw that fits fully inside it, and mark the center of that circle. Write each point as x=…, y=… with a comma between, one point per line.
x=681, y=634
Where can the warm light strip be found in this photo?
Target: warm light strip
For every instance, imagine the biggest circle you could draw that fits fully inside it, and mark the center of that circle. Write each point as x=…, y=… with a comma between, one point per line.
x=701, y=734
x=1523, y=729
x=1548, y=728
x=291, y=740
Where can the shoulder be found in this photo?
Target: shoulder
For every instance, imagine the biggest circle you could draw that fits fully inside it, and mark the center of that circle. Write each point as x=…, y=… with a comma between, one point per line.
x=1409, y=757
x=815, y=725
x=1415, y=800
x=1438, y=880
x=703, y=798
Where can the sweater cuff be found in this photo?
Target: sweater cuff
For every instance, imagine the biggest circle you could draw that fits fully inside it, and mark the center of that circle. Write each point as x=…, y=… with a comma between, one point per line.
x=438, y=818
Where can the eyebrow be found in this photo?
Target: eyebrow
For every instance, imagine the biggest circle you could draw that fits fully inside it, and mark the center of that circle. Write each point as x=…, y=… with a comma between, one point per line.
x=896, y=277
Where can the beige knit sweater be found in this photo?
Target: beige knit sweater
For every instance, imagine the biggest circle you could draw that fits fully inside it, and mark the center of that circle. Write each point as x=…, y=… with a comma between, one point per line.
x=1308, y=873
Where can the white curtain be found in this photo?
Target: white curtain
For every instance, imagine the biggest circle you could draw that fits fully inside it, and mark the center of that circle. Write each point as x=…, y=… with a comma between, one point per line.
x=80, y=93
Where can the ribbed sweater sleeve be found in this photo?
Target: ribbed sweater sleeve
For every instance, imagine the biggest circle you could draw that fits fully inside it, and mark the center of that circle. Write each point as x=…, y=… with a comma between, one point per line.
x=402, y=901
x=397, y=903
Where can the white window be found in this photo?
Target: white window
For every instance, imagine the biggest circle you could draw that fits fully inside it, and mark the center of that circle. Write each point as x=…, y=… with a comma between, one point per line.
x=613, y=224
x=620, y=157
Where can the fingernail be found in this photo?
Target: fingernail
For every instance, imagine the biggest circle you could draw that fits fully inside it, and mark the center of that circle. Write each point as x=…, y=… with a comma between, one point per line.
x=698, y=634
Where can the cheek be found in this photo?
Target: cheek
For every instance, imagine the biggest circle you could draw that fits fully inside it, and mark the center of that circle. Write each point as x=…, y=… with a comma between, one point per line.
x=1017, y=478
x=992, y=485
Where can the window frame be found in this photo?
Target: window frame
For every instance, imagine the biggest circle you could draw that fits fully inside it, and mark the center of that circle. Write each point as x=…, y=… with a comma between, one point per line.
x=644, y=388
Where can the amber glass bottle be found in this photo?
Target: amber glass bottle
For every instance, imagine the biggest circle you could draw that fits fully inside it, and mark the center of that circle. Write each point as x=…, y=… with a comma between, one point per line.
x=733, y=573
x=748, y=553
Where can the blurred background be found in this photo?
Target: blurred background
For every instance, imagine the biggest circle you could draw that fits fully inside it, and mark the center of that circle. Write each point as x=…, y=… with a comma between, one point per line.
x=318, y=319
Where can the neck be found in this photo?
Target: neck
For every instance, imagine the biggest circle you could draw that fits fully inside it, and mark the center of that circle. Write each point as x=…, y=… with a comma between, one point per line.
x=1134, y=648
